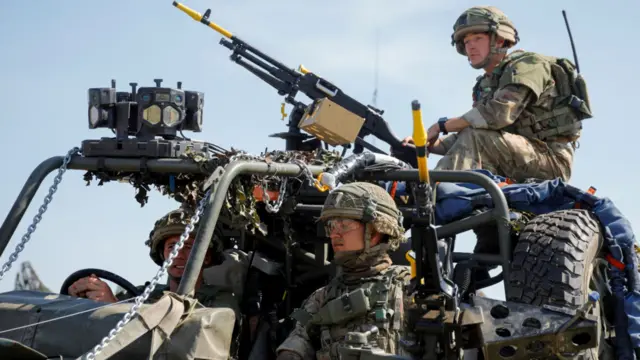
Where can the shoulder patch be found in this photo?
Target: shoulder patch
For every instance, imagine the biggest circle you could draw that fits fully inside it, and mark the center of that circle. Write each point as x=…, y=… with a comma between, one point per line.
x=528, y=69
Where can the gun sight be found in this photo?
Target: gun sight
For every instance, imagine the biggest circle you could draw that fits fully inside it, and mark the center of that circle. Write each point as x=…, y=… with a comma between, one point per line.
x=145, y=112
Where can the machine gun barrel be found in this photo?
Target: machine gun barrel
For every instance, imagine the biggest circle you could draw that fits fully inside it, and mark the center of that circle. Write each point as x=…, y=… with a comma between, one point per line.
x=276, y=74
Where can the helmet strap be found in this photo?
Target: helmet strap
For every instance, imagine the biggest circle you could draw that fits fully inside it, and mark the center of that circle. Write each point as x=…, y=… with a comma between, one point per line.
x=368, y=216
x=368, y=232
x=493, y=48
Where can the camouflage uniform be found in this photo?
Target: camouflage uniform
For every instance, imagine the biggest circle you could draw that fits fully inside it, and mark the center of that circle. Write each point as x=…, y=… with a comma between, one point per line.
x=364, y=276
x=525, y=118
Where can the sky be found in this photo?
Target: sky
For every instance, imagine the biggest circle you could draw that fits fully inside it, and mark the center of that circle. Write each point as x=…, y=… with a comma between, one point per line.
x=52, y=52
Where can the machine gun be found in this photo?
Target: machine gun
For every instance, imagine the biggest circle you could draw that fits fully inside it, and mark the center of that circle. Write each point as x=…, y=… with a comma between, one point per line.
x=334, y=117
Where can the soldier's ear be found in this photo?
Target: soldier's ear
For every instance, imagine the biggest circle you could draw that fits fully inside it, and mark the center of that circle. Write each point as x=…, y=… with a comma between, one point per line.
x=376, y=238
x=501, y=42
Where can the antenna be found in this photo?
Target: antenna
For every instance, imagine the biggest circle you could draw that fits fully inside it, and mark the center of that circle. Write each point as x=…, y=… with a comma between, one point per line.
x=374, y=100
x=376, y=71
x=573, y=45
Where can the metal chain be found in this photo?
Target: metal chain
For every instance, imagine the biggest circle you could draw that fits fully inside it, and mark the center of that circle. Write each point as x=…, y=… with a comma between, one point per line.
x=140, y=299
x=38, y=217
x=281, y=195
x=306, y=171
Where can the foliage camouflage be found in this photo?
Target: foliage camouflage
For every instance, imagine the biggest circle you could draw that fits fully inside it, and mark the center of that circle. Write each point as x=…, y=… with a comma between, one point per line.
x=240, y=205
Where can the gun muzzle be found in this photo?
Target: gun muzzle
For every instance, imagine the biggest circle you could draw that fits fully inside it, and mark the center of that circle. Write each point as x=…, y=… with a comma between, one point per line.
x=203, y=19
x=303, y=69
x=420, y=140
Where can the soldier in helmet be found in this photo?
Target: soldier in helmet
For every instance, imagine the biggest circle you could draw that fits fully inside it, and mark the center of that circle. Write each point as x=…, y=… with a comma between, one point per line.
x=524, y=121
x=162, y=239
x=364, y=224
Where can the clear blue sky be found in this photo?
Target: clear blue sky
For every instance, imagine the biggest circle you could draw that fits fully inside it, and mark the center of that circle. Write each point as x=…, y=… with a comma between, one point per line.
x=52, y=52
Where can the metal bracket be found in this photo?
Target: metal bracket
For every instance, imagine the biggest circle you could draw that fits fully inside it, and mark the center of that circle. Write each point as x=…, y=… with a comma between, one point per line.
x=524, y=331
x=213, y=178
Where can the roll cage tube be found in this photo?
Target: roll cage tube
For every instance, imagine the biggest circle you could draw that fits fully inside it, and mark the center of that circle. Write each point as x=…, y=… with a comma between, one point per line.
x=499, y=213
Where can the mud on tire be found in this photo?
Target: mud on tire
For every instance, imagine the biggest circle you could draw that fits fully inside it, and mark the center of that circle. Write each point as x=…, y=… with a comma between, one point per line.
x=553, y=262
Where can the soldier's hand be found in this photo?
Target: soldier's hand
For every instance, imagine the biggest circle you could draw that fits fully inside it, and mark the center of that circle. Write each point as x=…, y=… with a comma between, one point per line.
x=433, y=134
x=407, y=140
x=288, y=355
x=91, y=287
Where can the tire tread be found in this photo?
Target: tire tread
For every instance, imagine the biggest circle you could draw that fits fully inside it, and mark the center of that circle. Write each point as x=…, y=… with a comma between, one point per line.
x=550, y=259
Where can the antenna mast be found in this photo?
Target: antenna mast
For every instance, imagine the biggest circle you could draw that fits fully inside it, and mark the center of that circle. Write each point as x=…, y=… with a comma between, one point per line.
x=374, y=100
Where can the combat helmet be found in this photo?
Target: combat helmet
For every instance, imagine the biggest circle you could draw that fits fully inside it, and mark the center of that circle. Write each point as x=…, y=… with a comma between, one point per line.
x=484, y=19
x=173, y=223
x=370, y=204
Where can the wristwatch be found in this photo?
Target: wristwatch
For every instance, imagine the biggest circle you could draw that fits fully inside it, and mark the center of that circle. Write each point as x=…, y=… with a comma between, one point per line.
x=441, y=123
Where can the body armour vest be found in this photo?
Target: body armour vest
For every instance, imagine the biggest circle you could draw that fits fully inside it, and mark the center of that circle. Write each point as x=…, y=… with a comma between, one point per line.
x=560, y=99
x=374, y=301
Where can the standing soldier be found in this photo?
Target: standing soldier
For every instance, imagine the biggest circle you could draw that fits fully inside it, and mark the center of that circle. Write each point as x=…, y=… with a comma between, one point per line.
x=364, y=224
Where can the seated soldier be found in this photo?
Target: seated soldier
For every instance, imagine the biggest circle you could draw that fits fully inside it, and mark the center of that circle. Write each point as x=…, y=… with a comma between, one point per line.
x=523, y=123
x=364, y=224
x=165, y=234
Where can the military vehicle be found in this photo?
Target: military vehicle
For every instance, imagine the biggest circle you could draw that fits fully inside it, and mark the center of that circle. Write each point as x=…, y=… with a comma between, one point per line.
x=568, y=259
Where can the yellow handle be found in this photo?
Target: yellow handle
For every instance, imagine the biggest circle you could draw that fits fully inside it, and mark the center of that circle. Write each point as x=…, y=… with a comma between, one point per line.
x=411, y=258
x=198, y=17
x=420, y=140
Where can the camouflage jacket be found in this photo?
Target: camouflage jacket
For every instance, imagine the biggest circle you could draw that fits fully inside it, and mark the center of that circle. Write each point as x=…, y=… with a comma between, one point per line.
x=527, y=95
x=321, y=329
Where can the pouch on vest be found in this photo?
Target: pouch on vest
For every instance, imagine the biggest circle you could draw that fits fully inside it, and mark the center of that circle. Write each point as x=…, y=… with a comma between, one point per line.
x=344, y=308
x=570, y=106
x=579, y=93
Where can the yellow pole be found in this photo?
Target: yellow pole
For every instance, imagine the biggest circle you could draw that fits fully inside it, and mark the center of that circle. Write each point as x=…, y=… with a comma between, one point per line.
x=420, y=140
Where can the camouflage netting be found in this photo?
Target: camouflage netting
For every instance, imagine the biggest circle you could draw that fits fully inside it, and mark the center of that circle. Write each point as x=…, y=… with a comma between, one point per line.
x=240, y=206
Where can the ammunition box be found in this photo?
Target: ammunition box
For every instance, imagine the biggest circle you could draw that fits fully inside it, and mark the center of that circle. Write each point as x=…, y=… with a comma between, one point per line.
x=331, y=122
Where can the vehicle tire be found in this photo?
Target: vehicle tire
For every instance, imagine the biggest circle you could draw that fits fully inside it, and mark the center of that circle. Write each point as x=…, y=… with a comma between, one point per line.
x=553, y=263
